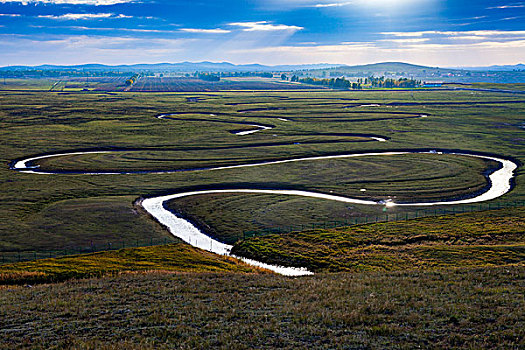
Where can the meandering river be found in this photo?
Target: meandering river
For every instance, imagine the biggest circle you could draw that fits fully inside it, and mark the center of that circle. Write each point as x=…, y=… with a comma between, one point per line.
x=499, y=184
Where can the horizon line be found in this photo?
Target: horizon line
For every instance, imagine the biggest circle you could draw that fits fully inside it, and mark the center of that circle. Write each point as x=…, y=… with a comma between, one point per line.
x=253, y=64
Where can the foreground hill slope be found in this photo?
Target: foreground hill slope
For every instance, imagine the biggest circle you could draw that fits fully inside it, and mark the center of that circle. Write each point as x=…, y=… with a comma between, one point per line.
x=460, y=309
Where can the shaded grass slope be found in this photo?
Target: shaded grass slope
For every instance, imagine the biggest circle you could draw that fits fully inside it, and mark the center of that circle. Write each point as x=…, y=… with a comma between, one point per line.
x=80, y=223
x=177, y=257
x=484, y=238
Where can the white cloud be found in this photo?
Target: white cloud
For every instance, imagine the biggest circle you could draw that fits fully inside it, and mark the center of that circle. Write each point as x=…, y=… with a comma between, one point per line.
x=426, y=54
x=31, y=50
x=404, y=34
x=9, y=15
x=469, y=37
x=406, y=40
x=77, y=16
x=333, y=4
x=508, y=33
x=25, y=49
x=264, y=26
x=135, y=30
x=507, y=7
x=300, y=50
x=105, y=29
x=70, y=2
x=205, y=31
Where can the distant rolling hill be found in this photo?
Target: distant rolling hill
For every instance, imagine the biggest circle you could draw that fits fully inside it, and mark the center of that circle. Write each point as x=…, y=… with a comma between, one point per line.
x=388, y=69
x=508, y=68
x=406, y=70
x=176, y=67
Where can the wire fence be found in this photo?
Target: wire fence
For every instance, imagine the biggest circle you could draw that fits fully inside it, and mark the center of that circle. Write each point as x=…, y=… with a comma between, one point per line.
x=19, y=256
x=386, y=217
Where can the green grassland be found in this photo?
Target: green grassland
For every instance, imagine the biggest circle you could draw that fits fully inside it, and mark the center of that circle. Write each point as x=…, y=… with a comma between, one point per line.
x=517, y=87
x=485, y=238
x=451, y=281
x=40, y=212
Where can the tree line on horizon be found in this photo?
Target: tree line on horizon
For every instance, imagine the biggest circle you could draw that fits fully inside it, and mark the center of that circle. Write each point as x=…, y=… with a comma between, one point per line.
x=343, y=83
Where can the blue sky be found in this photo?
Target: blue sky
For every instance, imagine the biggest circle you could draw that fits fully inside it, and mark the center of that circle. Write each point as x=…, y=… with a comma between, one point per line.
x=428, y=32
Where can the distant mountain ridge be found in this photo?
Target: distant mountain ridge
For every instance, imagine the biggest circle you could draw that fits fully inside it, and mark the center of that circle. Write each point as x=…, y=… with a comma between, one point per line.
x=207, y=66
x=177, y=67
x=507, y=68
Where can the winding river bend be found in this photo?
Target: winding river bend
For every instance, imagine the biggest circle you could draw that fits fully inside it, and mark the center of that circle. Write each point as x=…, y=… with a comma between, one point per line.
x=499, y=184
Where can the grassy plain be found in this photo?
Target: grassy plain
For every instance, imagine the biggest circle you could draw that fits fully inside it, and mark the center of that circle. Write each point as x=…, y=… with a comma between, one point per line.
x=47, y=212
x=466, y=300
x=517, y=87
